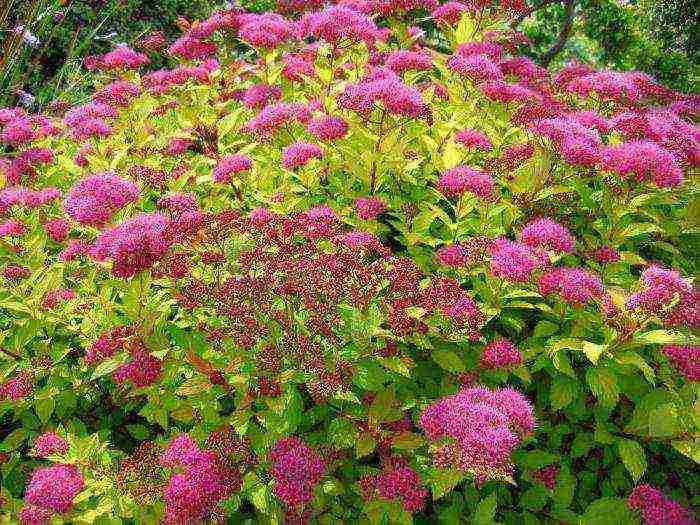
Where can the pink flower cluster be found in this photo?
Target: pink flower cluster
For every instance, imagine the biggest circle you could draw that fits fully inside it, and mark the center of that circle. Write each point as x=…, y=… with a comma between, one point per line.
x=135, y=245
x=403, y=60
x=57, y=229
x=161, y=81
x=24, y=165
x=574, y=285
x=514, y=261
x=119, y=93
x=50, y=443
x=17, y=387
x=483, y=426
x=473, y=139
x=264, y=31
x=26, y=198
x=202, y=482
x=385, y=87
x=12, y=228
x=460, y=179
x=327, y=128
x=548, y=476
x=273, y=117
x=95, y=199
x=89, y=120
x=54, y=488
x=13, y=272
x=500, y=354
x=546, y=234
x=645, y=161
x=397, y=482
x=121, y=58
x=667, y=294
x=58, y=296
x=260, y=95
x=578, y=143
x=477, y=68
x=296, y=470
x=142, y=370
x=370, y=207
x=339, y=25
x=686, y=359
x=656, y=509
x=230, y=165
x=299, y=153
x=108, y=344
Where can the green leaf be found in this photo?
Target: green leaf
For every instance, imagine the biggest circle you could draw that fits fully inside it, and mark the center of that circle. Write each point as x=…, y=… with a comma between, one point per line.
x=607, y=511
x=689, y=448
x=138, y=431
x=485, y=511
x=442, y=481
x=582, y=443
x=593, y=351
x=563, y=493
x=342, y=433
x=448, y=360
x=661, y=337
x=14, y=440
x=44, y=409
x=663, y=421
x=382, y=409
x=603, y=383
x=563, y=392
x=108, y=366
x=364, y=445
x=407, y=441
x=633, y=457
x=534, y=498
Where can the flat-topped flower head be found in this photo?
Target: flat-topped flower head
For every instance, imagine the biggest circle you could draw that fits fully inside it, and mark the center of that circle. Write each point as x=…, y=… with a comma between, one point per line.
x=54, y=488
x=230, y=165
x=299, y=154
x=296, y=469
x=461, y=179
x=49, y=443
x=655, y=508
x=135, y=245
x=95, y=199
x=549, y=235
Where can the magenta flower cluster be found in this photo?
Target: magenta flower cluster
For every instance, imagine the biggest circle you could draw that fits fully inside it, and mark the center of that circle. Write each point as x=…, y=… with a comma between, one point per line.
x=200, y=482
x=296, y=469
x=655, y=508
x=484, y=428
x=94, y=200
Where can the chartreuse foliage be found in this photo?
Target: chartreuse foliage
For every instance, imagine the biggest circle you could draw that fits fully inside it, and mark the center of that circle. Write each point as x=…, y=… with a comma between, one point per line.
x=347, y=278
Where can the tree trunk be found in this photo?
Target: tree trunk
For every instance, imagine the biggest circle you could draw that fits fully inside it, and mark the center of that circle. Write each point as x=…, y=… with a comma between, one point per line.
x=563, y=34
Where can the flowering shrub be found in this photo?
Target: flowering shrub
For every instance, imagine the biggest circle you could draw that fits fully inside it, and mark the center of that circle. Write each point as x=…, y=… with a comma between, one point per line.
x=320, y=272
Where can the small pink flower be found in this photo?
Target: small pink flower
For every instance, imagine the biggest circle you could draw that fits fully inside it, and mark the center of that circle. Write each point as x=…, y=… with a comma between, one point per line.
x=299, y=153
x=370, y=207
x=49, y=444
x=231, y=165
x=501, y=354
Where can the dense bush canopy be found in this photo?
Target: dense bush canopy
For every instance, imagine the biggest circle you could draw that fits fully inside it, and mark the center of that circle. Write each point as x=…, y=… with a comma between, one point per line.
x=321, y=272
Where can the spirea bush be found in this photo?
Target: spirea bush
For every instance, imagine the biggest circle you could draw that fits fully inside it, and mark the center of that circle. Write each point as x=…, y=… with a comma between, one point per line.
x=344, y=277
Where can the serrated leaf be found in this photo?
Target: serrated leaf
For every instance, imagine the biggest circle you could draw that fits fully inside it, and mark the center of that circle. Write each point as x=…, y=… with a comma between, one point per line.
x=603, y=383
x=44, y=408
x=633, y=457
x=364, y=445
x=663, y=421
x=448, y=360
x=485, y=511
x=607, y=511
x=108, y=366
